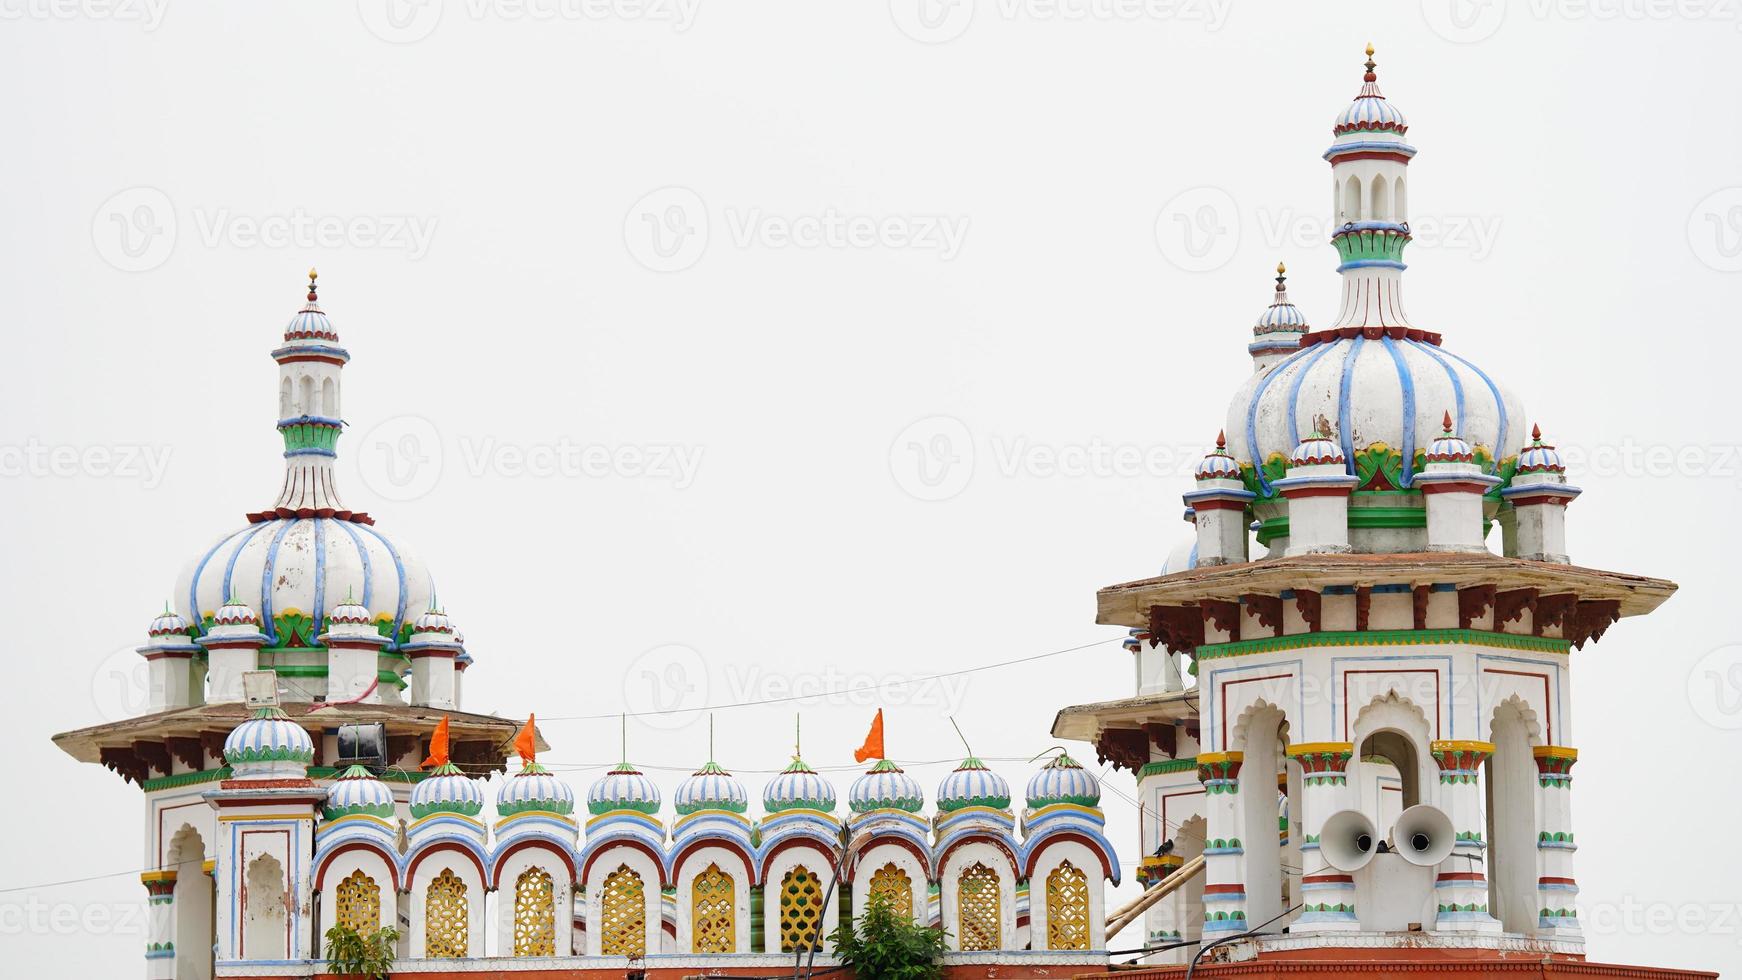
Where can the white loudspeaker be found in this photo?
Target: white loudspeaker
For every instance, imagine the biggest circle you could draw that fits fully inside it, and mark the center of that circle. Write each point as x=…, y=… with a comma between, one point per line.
x=1347, y=840
x=1423, y=835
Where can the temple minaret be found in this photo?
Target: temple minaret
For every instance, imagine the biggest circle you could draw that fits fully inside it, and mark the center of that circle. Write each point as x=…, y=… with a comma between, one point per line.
x=308, y=411
x=1369, y=164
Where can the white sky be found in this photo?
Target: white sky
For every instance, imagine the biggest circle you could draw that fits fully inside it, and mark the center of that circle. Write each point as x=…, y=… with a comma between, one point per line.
x=495, y=283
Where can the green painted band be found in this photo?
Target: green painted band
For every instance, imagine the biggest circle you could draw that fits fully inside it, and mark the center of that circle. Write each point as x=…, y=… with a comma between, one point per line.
x=1359, y=638
x=1169, y=766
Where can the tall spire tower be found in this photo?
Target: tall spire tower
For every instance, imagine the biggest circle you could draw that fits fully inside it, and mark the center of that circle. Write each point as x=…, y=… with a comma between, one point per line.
x=308, y=412
x=1369, y=166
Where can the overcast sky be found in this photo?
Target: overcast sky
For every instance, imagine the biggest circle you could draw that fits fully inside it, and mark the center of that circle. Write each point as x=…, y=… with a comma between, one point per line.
x=895, y=328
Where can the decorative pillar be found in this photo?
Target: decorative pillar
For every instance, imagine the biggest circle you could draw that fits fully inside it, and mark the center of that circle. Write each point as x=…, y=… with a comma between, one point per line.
x=1219, y=507
x=433, y=650
x=1224, y=856
x=1461, y=888
x=1327, y=895
x=1555, y=887
x=354, y=645
x=1165, y=921
x=159, y=924
x=1317, y=488
x=1452, y=485
x=233, y=649
x=169, y=657
x=1539, y=495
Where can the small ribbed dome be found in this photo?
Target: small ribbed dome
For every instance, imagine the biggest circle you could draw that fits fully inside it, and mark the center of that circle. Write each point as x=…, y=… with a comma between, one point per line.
x=1217, y=464
x=973, y=784
x=235, y=612
x=447, y=789
x=358, y=791
x=1370, y=112
x=434, y=620
x=1540, y=457
x=534, y=788
x=1281, y=316
x=1315, y=450
x=168, y=623
x=351, y=613
x=268, y=744
x=1448, y=448
x=798, y=787
x=886, y=786
x=1063, y=780
x=710, y=788
x=623, y=788
x=310, y=323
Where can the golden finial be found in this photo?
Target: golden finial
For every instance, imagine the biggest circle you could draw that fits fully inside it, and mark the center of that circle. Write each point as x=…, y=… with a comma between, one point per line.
x=1370, y=65
x=1281, y=269
x=312, y=274
x=1369, y=49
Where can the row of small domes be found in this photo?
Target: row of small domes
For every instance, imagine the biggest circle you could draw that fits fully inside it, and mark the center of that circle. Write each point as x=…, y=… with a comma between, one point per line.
x=270, y=743
x=349, y=616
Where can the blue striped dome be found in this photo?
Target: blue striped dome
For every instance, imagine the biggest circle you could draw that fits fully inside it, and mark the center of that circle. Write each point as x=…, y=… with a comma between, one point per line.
x=973, y=784
x=798, y=787
x=1371, y=112
x=1371, y=390
x=235, y=612
x=447, y=789
x=1540, y=457
x=1316, y=450
x=307, y=566
x=710, y=788
x=886, y=786
x=310, y=323
x=1063, y=780
x=1281, y=316
x=534, y=788
x=268, y=744
x=1217, y=464
x=434, y=620
x=170, y=624
x=358, y=791
x=1448, y=448
x=623, y=788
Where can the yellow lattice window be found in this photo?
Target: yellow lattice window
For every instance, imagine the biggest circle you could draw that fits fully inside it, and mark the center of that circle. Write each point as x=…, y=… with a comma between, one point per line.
x=534, y=914
x=623, y=929
x=979, y=908
x=1067, y=908
x=801, y=909
x=713, y=924
x=893, y=883
x=359, y=903
x=447, y=917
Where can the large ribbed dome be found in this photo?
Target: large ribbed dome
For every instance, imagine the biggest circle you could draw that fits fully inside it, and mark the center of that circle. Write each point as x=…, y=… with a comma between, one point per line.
x=1366, y=390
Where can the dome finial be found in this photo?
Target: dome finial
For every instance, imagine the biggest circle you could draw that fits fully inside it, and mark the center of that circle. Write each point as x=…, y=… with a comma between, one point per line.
x=1221, y=439
x=312, y=276
x=1370, y=77
x=1447, y=422
x=1536, y=433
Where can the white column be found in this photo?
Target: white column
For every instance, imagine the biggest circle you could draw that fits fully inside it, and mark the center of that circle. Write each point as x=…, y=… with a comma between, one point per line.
x=1327, y=894
x=1556, y=889
x=1461, y=885
x=1224, y=856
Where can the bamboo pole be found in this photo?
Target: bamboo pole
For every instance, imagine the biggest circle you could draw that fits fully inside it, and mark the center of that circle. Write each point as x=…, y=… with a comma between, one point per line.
x=1129, y=913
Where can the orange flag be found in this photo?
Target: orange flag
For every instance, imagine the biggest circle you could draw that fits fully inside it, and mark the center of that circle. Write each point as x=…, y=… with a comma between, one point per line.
x=438, y=746
x=873, y=747
x=524, y=742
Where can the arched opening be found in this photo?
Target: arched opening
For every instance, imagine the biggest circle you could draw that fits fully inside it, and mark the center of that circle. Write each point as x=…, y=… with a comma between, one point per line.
x=713, y=912
x=1381, y=199
x=1265, y=733
x=534, y=913
x=894, y=886
x=1351, y=209
x=192, y=906
x=623, y=914
x=306, y=389
x=1510, y=781
x=801, y=909
x=284, y=398
x=265, y=911
x=979, y=909
x=1391, y=776
x=329, y=399
x=1399, y=207
x=357, y=903
x=1067, y=908
x=447, y=917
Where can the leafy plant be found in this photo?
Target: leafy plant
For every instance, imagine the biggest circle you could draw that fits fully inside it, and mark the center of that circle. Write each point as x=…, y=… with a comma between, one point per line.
x=884, y=945
x=361, y=954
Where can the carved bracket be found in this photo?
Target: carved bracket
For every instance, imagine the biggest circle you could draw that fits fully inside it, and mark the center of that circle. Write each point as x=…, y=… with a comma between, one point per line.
x=1307, y=603
x=1473, y=602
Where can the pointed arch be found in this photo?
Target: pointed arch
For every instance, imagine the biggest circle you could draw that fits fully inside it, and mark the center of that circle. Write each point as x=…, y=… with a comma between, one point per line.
x=1351, y=209
x=1067, y=908
x=447, y=917
x=713, y=912
x=1380, y=196
x=979, y=909
x=534, y=913
x=893, y=884
x=801, y=909
x=623, y=914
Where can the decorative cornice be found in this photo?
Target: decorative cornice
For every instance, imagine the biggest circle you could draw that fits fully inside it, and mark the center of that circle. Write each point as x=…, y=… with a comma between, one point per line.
x=1368, y=638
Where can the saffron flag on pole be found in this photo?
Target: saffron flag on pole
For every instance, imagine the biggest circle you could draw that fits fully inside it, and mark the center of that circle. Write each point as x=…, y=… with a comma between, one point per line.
x=525, y=743
x=873, y=747
x=438, y=746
